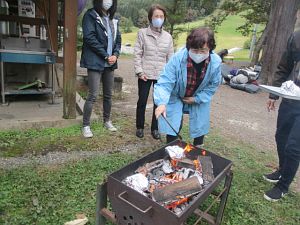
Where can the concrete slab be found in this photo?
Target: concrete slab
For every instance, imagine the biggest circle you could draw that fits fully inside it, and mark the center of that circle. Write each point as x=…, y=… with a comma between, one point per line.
x=29, y=112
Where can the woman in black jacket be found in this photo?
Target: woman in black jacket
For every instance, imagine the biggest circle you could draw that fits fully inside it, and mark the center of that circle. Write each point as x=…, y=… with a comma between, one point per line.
x=100, y=50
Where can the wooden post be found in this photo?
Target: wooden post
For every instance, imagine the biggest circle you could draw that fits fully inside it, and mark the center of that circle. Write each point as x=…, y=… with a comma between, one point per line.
x=54, y=25
x=70, y=59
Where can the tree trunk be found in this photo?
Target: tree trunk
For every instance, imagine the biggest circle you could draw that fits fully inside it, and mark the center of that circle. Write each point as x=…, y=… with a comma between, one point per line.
x=258, y=47
x=172, y=29
x=281, y=25
x=297, y=26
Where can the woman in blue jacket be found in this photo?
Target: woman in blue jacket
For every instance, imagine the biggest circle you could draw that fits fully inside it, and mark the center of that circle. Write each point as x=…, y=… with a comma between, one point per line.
x=187, y=84
x=100, y=50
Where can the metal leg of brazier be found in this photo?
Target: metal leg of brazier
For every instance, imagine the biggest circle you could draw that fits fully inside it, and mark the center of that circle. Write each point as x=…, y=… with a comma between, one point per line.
x=101, y=202
x=224, y=197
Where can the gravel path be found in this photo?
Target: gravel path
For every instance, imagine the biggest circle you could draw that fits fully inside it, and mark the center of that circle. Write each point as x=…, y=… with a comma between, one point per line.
x=59, y=158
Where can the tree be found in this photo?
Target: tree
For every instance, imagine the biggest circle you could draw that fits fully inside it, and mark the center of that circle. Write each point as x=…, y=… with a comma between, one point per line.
x=131, y=8
x=176, y=14
x=191, y=15
x=143, y=18
x=126, y=25
x=280, y=26
x=253, y=11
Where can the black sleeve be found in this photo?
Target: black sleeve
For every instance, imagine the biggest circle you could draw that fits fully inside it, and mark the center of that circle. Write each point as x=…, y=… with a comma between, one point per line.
x=284, y=67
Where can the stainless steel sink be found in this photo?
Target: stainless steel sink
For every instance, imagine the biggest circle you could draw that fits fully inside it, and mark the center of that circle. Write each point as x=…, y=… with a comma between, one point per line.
x=25, y=44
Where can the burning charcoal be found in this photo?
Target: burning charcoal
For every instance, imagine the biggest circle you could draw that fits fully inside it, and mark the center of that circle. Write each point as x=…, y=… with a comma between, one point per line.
x=157, y=173
x=177, y=211
x=175, y=152
x=187, y=173
x=167, y=180
x=177, y=204
x=177, y=176
x=138, y=182
x=207, y=169
x=199, y=176
x=187, y=163
x=167, y=167
x=171, y=192
x=150, y=166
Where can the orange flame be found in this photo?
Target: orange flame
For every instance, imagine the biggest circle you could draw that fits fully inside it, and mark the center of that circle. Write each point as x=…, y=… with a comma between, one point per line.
x=174, y=163
x=173, y=205
x=175, y=177
x=188, y=148
x=197, y=164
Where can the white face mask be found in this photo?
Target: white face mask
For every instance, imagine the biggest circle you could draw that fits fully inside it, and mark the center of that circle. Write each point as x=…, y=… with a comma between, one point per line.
x=107, y=4
x=198, y=58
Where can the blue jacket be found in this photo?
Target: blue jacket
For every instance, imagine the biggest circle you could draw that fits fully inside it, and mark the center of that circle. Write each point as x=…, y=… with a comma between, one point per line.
x=170, y=89
x=94, y=49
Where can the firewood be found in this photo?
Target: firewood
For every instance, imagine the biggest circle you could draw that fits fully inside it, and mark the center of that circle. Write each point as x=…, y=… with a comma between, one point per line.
x=174, y=192
x=149, y=166
x=207, y=168
x=186, y=163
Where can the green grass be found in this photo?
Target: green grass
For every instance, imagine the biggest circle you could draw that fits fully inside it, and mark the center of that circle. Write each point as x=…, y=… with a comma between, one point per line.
x=33, y=195
x=242, y=55
x=130, y=38
x=54, y=195
x=15, y=143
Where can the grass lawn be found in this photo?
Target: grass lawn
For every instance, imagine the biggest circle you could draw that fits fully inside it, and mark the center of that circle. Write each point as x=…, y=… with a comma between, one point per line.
x=36, y=142
x=55, y=194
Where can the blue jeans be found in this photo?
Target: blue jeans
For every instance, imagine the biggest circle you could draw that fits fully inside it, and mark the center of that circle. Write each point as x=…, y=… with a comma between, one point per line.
x=107, y=77
x=288, y=141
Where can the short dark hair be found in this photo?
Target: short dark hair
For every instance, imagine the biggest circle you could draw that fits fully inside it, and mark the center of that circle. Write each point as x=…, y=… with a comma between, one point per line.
x=199, y=37
x=153, y=8
x=98, y=6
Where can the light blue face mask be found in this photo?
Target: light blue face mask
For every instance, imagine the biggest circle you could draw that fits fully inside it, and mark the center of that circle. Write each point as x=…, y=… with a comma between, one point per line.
x=198, y=58
x=157, y=22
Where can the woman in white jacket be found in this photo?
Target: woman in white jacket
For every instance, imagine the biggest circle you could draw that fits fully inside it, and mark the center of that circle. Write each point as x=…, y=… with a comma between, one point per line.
x=152, y=50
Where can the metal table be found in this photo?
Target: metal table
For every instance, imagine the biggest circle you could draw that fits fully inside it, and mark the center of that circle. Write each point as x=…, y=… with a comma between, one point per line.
x=30, y=57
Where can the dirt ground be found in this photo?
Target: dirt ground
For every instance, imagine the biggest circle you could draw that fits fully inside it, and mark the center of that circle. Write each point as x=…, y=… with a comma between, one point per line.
x=236, y=114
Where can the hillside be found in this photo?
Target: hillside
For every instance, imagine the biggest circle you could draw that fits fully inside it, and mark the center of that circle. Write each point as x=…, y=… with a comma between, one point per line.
x=226, y=36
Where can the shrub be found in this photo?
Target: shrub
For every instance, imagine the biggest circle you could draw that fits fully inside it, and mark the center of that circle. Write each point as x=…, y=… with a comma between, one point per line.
x=126, y=25
x=247, y=44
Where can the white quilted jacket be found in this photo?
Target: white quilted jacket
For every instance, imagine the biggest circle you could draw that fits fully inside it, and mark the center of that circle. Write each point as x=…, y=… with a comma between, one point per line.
x=151, y=53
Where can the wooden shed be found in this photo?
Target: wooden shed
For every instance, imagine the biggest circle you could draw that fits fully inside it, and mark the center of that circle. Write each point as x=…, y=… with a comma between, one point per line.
x=59, y=20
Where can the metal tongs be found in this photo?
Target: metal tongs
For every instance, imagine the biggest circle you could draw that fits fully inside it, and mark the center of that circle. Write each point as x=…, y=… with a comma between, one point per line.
x=177, y=134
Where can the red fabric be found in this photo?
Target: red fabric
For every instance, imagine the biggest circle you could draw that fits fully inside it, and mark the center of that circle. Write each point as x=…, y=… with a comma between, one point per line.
x=194, y=76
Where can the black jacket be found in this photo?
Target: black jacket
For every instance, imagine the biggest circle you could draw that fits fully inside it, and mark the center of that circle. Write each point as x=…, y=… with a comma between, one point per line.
x=94, y=49
x=288, y=62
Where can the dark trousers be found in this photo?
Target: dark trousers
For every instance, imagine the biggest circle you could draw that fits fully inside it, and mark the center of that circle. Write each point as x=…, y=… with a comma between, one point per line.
x=197, y=140
x=144, y=88
x=288, y=141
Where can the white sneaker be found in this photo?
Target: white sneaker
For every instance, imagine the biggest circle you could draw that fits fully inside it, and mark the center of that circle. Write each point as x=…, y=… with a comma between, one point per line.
x=86, y=132
x=109, y=126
